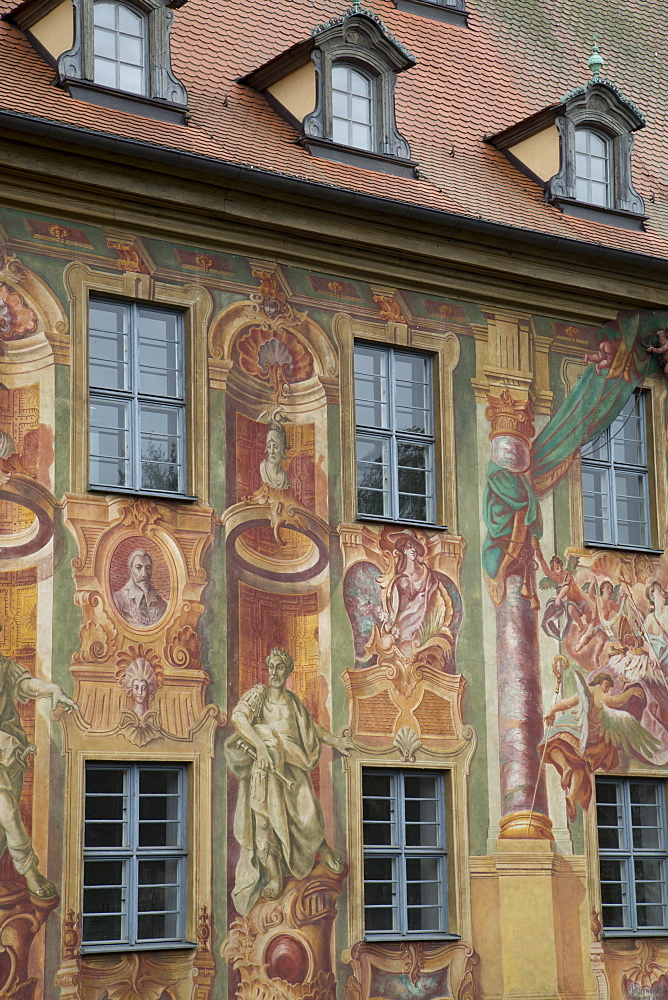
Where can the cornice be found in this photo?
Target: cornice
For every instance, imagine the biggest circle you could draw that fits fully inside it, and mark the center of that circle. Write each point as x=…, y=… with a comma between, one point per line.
x=311, y=225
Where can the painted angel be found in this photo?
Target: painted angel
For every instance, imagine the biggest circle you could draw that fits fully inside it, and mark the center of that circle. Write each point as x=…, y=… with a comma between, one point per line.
x=595, y=728
x=611, y=619
x=570, y=606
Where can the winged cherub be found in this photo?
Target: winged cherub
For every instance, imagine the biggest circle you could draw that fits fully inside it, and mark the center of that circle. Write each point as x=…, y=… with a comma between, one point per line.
x=661, y=350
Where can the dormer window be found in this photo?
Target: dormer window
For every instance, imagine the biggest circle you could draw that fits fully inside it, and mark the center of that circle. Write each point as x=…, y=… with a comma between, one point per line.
x=352, y=107
x=580, y=152
x=120, y=58
x=119, y=46
x=593, y=174
x=337, y=89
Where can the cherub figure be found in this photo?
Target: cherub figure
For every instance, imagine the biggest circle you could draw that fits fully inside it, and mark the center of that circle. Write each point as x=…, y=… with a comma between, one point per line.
x=662, y=334
x=605, y=355
x=571, y=606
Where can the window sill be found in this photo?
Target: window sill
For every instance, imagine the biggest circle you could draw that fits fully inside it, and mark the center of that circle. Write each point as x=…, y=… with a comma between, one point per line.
x=92, y=949
x=609, y=216
x=623, y=548
x=434, y=10
x=119, y=100
x=154, y=494
x=403, y=938
x=662, y=932
x=329, y=150
x=425, y=525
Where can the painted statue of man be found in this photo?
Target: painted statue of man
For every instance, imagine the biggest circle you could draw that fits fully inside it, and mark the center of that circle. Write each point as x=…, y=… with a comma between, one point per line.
x=278, y=821
x=17, y=684
x=138, y=601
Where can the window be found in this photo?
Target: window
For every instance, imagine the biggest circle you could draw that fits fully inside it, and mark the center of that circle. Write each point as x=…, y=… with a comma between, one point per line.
x=450, y=11
x=395, y=437
x=120, y=47
x=631, y=817
x=596, y=125
x=592, y=167
x=615, y=481
x=134, y=856
x=121, y=58
x=405, y=871
x=354, y=120
x=136, y=396
x=352, y=107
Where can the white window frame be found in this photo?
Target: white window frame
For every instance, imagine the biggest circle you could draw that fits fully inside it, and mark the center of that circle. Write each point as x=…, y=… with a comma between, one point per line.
x=119, y=61
x=131, y=854
x=393, y=438
x=371, y=124
x=135, y=399
x=629, y=854
x=586, y=177
x=401, y=852
x=609, y=467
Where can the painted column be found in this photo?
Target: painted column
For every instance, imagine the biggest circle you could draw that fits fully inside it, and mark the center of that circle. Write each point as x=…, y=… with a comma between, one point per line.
x=514, y=524
x=520, y=713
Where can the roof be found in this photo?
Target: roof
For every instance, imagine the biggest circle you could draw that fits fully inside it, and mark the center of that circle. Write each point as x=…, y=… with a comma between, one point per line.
x=514, y=59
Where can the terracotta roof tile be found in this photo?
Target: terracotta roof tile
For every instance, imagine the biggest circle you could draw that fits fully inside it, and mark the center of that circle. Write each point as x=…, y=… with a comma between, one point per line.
x=515, y=58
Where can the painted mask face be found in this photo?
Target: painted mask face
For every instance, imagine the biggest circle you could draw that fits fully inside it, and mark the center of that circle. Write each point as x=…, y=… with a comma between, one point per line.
x=139, y=691
x=511, y=453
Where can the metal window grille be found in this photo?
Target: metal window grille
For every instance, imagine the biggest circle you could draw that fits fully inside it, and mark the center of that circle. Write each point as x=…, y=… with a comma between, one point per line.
x=137, y=398
x=593, y=162
x=119, y=47
x=135, y=851
x=631, y=818
x=615, y=481
x=395, y=436
x=405, y=854
x=352, y=107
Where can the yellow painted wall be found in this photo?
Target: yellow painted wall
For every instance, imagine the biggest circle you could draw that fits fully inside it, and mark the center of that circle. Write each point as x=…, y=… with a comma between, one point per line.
x=540, y=153
x=55, y=31
x=296, y=91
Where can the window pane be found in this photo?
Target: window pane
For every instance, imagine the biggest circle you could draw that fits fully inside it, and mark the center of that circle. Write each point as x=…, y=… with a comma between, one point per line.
x=424, y=887
x=109, y=346
x=104, y=901
x=360, y=136
x=157, y=926
x=596, y=504
x=128, y=21
x=379, y=809
x=109, y=443
x=380, y=894
x=372, y=476
x=371, y=388
x=614, y=893
x=415, y=481
x=422, y=803
x=160, y=448
x=130, y=78
x=630, y=489
x=160, y=367
x=412, y=394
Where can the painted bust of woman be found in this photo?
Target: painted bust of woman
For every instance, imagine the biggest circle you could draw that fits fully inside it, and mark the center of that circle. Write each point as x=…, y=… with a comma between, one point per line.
x=276, y=447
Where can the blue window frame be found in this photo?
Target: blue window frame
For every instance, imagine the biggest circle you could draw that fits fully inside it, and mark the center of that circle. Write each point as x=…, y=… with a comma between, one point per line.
x=137, y=398
x=405, y=854
x=395, y=434
x=135, y=853
x=631, y=818
x=615, y=481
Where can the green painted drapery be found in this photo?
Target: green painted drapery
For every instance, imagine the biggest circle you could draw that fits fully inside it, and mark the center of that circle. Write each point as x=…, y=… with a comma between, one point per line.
x=511, y=507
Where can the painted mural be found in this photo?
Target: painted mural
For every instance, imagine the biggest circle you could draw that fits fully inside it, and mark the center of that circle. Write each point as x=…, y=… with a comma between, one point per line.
x=275, y=644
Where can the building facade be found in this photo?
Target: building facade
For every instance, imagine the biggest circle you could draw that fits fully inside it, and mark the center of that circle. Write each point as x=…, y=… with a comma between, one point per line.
x=333, y=506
